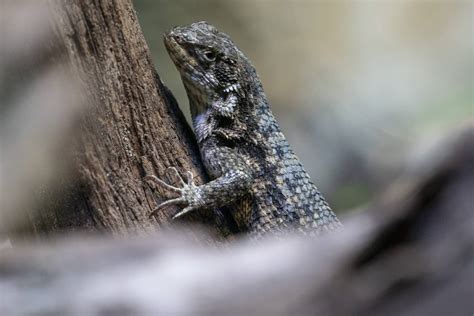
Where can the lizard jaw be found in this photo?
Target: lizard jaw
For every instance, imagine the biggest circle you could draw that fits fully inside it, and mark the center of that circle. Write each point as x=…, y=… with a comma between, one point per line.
x=186, y=64
x=177, y=53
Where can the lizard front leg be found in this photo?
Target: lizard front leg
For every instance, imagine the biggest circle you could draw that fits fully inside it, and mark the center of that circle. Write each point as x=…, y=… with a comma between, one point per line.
x=234, y=181
x=187, y=191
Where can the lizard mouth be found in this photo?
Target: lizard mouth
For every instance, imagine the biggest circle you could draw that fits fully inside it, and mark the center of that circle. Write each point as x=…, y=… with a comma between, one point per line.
x=186, y=64
x=177, y=53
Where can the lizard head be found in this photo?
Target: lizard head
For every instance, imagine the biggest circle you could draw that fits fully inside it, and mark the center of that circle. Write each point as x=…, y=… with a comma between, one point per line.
x=210, y=64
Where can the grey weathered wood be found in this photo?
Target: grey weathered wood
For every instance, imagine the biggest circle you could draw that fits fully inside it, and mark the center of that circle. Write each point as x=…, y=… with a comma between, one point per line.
x=409, y=253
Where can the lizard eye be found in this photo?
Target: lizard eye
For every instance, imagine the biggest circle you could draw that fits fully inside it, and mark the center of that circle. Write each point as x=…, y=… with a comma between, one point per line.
x=210, y=55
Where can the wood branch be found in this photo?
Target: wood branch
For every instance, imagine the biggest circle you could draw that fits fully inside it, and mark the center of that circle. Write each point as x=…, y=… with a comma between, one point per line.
x=410, y=253
x=130, y=126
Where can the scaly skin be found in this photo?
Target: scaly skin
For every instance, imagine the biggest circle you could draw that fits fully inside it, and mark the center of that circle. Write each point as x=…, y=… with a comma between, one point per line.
x=255, y=174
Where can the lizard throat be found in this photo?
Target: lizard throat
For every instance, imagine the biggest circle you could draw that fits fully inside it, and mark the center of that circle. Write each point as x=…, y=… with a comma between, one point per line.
x=203, y=125
x=199, y=99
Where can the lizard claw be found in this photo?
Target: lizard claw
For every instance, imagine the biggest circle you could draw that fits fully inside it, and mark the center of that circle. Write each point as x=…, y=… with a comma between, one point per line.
x=187, y=187
x=168, y=202
x=183, y=183
x=158, y=181
x=184, y=211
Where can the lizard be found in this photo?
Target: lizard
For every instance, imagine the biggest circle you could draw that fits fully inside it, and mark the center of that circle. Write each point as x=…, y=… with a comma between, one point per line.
x=254, y=173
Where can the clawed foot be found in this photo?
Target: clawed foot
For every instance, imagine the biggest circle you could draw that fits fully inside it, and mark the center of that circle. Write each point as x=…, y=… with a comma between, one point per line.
x=187, y=192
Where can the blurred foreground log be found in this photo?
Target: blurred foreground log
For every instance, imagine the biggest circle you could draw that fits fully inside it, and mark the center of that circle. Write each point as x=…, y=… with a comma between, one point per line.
x=77, y=148
x=410, y=253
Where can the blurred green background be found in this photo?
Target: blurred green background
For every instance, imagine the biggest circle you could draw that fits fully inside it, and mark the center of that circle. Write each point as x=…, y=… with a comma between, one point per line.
x=360, y=88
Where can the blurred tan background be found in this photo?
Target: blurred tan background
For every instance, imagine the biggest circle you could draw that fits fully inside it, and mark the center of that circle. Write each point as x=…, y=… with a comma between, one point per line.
x=361, y=88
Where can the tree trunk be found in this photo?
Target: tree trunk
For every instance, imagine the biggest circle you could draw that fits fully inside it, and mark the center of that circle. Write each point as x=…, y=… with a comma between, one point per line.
x=131, y=126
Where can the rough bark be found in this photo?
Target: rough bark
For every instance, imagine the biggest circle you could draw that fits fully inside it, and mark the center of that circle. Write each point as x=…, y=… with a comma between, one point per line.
x=130, y=125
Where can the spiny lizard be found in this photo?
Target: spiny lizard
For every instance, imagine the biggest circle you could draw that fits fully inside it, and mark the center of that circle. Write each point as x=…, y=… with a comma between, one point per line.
x=255, y=174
